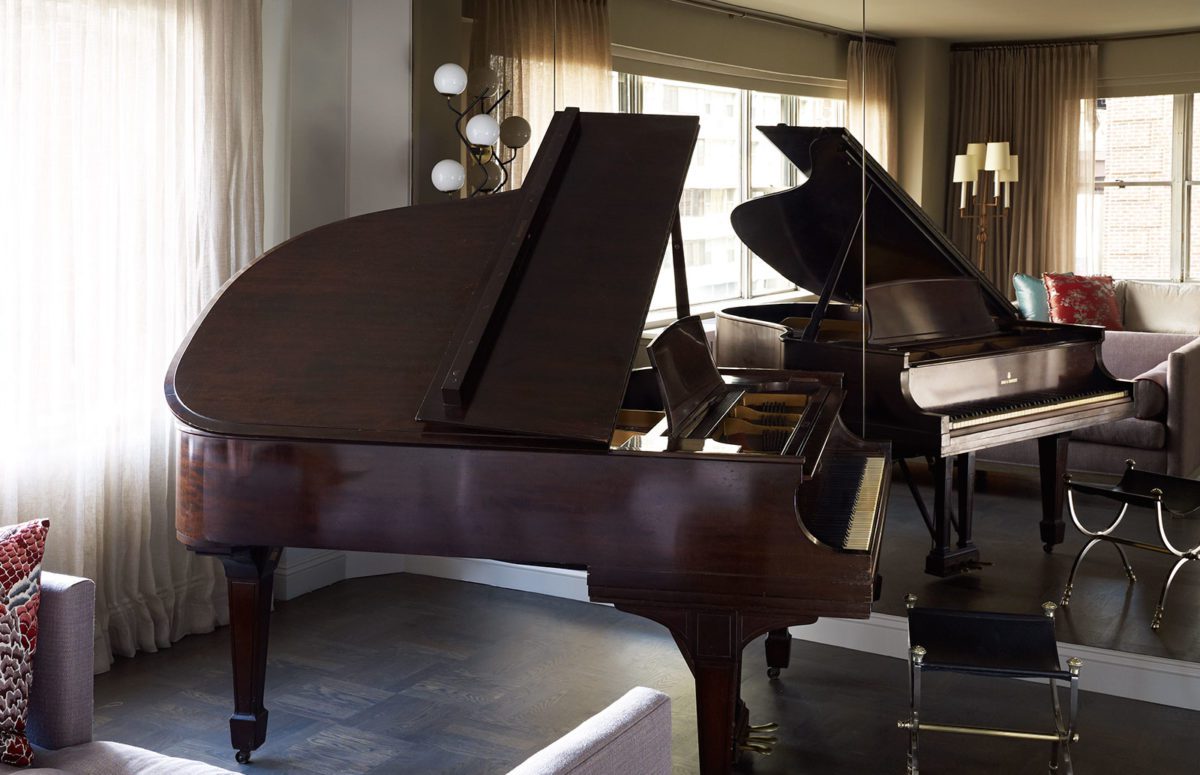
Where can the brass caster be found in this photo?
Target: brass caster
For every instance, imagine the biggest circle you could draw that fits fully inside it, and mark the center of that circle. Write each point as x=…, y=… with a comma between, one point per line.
x=1132, y=578
x=773, y=673
x=1156, y=622
x=242, y=756
x=770, y=726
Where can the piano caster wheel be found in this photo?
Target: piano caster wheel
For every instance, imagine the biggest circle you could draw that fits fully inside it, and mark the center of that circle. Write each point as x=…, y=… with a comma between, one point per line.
x=1048, y=548
x=773, y=673
x=242, y=757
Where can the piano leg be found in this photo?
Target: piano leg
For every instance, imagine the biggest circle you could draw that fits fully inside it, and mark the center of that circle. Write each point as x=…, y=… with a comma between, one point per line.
x=711, y=641
x=943, y=560
x=966, y=498
x=779, y=651
x=1052, y=462
x=250, y=573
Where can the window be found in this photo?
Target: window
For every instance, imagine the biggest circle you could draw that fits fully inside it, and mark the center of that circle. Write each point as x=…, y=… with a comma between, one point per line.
x=731, y=163
x=1146, y=216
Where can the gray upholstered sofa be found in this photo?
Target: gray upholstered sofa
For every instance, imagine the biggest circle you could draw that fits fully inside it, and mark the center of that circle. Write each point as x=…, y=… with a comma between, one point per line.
x=1161, y=344
x=60, y=708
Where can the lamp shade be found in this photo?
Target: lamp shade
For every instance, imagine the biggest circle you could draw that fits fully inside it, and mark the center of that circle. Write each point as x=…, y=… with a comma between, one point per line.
x=997, y=156
x=1009, y=175
x=482, y=82
x=977, y=151
x=965, y=170
x=448, y=175
x=483, y=130
x=449, y=79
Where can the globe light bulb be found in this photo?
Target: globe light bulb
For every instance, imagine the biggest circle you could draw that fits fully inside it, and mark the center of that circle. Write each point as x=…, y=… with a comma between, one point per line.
x=448, y=175
x=487, y=177
x=450, y=79
x=515, y=132
x=483, y=130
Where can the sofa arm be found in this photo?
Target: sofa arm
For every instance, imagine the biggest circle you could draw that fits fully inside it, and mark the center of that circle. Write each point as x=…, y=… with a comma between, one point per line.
x=60, y=705
x=631, y=735
x=1183, y=410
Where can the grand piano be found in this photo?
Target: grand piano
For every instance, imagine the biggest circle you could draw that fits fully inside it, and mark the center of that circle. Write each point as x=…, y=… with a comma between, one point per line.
x=456, y=380
x=936, y=359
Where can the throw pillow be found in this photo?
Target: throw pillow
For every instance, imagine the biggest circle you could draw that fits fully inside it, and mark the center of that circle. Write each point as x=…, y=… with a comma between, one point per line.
x=1150, y=393
x=1082, y=300
x=1031, y=297
x=21, y=549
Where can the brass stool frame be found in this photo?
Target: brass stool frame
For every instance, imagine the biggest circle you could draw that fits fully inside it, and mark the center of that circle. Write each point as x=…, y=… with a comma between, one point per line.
x=1152, y=499
x=1061, y=738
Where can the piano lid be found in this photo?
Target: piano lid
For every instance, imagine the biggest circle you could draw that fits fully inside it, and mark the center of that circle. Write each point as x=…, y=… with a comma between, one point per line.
x=547, y=343
x=811, y=234
x=342, y=332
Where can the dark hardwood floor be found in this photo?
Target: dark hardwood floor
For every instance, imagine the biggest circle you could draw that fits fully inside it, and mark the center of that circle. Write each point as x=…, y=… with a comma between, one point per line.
x=408, y=674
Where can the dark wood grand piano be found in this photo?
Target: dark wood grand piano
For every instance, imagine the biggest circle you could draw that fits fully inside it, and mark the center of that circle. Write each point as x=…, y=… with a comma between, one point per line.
x=455, y=380
x=935, y=358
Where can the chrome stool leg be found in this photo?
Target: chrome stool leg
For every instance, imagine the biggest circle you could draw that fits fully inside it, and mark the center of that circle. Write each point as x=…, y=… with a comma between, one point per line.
x=1066, y=595
x=1156, y=622
x=916, y=657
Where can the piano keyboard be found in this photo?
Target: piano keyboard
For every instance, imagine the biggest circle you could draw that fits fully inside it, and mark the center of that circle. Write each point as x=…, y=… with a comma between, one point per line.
x=843, y=516
x=1031, y=405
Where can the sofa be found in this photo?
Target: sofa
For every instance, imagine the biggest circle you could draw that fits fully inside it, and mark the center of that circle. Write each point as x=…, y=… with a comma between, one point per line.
x=60, y=705
x=1159, y=348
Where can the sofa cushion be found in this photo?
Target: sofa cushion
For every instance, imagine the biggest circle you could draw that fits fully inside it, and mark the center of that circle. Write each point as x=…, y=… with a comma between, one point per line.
x=1130, y=432
x=1150, y=391
x=105, y=758
x=21, y=549
x=1082, y=300
x=1170, y=308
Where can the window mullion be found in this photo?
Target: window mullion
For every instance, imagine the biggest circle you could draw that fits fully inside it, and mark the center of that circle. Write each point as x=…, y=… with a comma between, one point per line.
x=744, y=187
x=1179, y=154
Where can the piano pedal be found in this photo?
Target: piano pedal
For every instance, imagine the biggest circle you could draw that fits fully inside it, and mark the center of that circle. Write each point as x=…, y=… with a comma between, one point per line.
x=764, y=746
x=770, y=726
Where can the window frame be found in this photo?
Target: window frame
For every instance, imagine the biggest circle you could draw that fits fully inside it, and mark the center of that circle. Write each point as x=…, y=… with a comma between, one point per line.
x=1184, y=260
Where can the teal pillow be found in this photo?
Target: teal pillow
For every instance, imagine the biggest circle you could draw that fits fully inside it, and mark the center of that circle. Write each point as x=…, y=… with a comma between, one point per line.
x=1031, y=297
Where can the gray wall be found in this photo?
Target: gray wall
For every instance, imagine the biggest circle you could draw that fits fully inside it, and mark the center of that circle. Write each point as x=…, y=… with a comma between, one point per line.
x=923, y=75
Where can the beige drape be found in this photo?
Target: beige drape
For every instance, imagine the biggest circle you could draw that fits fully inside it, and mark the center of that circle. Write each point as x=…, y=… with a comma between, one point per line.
x=873, y=100
x=552, y=54
x=131, y=159
x=1041, y=99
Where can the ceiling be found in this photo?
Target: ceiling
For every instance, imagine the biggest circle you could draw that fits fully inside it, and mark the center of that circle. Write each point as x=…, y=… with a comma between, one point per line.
x=1000, y=20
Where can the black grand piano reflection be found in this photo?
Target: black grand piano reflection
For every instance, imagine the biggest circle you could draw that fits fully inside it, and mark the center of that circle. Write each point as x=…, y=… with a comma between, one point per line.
x=935, y=357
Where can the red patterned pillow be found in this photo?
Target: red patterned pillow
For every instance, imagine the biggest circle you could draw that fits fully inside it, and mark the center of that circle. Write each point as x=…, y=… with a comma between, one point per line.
x=1083, y=300
x=21, y=548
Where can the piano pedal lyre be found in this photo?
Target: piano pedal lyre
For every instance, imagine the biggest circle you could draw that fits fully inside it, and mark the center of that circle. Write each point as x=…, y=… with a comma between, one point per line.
x=756, y=740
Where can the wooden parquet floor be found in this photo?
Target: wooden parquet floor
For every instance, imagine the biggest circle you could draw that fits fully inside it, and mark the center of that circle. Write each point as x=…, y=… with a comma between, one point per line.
x=408, y=674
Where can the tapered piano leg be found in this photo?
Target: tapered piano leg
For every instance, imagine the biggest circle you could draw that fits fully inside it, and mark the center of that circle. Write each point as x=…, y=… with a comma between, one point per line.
x=779, y=651
x=944, y=560
x=250, y=573
x=711, y=642
x=966, y=498
x=1052, y=461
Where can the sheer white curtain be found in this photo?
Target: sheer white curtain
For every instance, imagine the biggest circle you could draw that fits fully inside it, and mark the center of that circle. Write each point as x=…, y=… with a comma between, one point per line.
x=553, y=54
x=873, y=102
x=130, y=190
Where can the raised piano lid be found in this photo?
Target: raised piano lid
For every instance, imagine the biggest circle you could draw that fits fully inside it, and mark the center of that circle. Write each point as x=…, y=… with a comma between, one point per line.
x=343, y=332
x=804, y=232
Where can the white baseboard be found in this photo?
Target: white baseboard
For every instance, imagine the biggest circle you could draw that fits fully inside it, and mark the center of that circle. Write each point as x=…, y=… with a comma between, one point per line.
x=303, y=570
x=1117, y=673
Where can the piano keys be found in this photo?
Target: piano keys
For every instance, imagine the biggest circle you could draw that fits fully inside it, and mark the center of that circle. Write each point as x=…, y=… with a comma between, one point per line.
x=456, y=380
x=935, y=358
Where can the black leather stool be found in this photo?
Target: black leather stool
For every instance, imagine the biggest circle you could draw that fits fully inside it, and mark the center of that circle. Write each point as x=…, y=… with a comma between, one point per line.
x=990, y=644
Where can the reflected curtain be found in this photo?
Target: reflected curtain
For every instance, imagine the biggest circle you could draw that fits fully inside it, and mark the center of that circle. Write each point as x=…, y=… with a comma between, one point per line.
x=873, y=100
x=131, y=155
x=1041, y=99
x=552, y=54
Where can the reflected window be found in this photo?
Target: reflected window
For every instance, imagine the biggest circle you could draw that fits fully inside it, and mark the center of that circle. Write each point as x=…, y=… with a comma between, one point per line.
x=730, y=164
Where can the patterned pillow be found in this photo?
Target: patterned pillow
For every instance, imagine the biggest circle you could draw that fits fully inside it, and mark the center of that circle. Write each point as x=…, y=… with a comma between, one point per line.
x=1082, y=300
x=21, y=548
